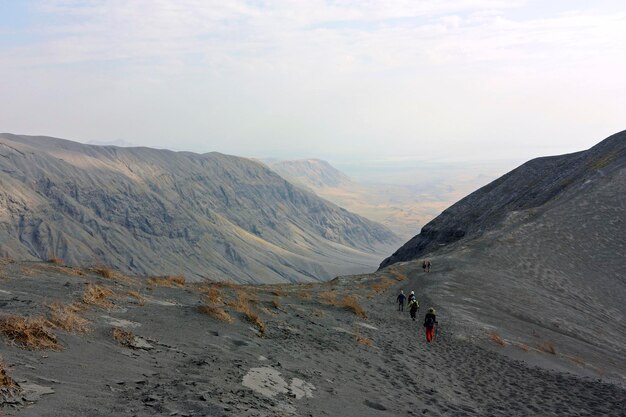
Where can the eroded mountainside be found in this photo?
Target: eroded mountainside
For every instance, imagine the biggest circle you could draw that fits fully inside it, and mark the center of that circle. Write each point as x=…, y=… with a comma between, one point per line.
x=158, y=212
x=532, y=185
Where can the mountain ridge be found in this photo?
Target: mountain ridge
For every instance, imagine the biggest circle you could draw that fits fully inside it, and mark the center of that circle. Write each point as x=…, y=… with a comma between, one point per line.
x=163, y=212
x=483, y=209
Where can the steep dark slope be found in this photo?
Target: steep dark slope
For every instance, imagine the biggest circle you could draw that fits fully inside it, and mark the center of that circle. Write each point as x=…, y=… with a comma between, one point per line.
x=531, y=185
x=159, y=212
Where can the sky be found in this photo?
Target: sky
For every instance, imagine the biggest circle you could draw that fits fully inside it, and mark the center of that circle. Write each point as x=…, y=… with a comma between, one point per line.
x=372, y=82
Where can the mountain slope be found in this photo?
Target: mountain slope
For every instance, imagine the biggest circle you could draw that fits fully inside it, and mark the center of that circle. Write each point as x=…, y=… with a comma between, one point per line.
x=538, y=260
x=159, y=212
x=531, y=185
x=401, y=208
x=310, y=173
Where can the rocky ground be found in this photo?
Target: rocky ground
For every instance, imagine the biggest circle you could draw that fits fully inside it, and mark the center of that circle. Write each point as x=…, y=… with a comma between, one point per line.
x=162, y=347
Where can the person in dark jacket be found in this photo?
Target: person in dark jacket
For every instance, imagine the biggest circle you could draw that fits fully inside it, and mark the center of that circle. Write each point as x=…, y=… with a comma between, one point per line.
x=400, y=299
x=413, y=306
x=412, y=296
x=430, y=323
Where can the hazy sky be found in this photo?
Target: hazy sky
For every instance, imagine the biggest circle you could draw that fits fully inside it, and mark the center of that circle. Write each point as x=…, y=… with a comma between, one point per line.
x=341, y=80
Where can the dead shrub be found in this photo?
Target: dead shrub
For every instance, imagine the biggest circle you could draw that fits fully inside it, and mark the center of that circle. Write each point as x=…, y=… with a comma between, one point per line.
x=216, y=312
x=31, y=333
x=547, y=347
x=135, y=294
x=5, y=380
x=124, y=337
x=350, y=303
x=168, y=281
x=276, y=302
x=523, y=347
x=97, y=295
x=56, y=261
x=495, y=338
x=64, y=316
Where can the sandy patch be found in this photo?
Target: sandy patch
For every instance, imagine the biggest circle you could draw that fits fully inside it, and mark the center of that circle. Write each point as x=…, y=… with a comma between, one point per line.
x=266, y=381
x=367, y=326
x=301, y=389
x=121, y=322
x=269, y=383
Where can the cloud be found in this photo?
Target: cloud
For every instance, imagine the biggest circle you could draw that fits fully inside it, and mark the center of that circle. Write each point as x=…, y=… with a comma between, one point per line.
x=312, y=77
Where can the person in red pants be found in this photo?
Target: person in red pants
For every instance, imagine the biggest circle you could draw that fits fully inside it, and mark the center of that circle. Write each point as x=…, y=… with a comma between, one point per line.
x=430, y=321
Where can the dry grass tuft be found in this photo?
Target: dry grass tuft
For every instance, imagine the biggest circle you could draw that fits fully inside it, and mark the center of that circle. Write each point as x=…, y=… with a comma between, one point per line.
x=103, y=271
x=242, y=305
x=350, y=302
x=216, y=312
x=135, y=294
x=5, y=380
x=523, y=347
x=547, y=347
x=577, y=360
x=363, y=340
x=304, y=295
x=225, y=284
x=64, y=316
x=124, y=337
x=328, y=297
x=397, y=275
x=97, y=295
x=276, y=302
x=56, y=261
x=382, y=285
x=168, y=281
x=213, y=295
x=29, y=332
x=495, y=338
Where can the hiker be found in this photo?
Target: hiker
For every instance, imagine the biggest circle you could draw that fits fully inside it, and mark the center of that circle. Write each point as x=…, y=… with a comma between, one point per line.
x=412, y=296
x=413, y=306
x=424, y=265
x=430, y=321
x=400, y=299
x=427, y=265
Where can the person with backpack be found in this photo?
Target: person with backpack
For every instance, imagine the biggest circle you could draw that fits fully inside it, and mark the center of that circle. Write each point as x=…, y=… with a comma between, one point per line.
x=400, y=299
x=430, y=321
x=413, y=307
x=412, y=296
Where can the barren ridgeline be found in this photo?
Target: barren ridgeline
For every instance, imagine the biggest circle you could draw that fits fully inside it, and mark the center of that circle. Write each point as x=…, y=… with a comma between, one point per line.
x=530, y=310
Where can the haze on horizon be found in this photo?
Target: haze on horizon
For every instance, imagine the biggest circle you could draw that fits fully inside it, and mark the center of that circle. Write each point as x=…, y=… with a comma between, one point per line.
x=384, y=82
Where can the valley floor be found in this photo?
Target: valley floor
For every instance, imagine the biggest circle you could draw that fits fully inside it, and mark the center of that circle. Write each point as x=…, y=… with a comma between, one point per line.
x=290, y=350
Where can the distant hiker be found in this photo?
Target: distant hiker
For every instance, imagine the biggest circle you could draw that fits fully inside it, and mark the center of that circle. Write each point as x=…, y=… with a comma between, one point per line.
x=426, y=265
x=430, y=322
x=413, y=306
x=400, y=299
x=412, y=296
